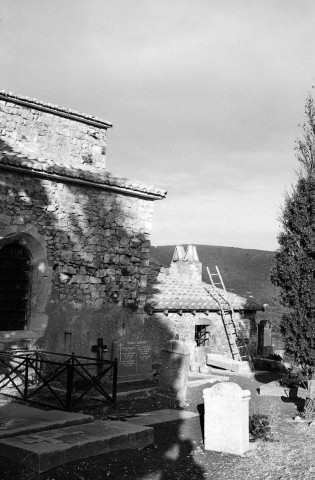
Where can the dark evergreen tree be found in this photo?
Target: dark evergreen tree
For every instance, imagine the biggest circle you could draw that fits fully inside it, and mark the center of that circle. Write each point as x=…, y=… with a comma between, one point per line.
x=294, y=266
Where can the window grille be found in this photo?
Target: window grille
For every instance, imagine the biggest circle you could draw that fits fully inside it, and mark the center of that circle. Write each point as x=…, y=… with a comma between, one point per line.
x=201, y=335
x=14, y=287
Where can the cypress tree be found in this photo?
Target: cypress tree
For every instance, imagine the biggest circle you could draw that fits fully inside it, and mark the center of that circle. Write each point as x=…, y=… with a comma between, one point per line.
x=294, y=266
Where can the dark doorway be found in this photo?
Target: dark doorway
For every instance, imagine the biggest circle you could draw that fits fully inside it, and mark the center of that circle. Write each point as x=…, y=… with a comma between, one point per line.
x=14, y=287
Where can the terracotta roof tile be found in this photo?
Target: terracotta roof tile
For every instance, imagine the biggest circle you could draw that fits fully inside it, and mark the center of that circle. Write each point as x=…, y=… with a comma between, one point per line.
x=52, y=167
x=169, y=292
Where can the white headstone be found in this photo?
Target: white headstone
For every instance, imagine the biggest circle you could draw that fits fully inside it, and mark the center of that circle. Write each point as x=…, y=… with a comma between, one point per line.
x=226, y=422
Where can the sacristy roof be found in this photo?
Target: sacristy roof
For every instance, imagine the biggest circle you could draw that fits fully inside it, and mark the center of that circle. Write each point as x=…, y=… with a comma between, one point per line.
x=168, y=292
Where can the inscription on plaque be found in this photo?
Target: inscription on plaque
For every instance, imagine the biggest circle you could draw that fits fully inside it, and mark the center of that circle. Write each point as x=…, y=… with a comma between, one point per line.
x=134, y=359
x=245, y=327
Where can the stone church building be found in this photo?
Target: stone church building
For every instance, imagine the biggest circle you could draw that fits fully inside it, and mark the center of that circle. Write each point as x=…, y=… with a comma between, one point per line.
x=74, y=239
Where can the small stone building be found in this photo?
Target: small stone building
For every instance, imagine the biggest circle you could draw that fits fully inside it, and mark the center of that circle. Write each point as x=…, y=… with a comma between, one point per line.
x=181, y=305
x=74, y=239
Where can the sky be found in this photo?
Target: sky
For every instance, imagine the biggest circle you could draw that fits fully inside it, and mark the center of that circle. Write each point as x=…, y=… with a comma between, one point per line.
x=206, y=98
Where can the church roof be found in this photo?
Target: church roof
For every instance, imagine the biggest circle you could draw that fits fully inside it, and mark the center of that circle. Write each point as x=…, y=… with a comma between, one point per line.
x=50, y=169
x=54, y=109
x=180, y=292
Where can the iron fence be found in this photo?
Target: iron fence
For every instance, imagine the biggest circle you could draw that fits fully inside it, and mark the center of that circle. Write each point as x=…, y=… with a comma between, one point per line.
x=34, y=375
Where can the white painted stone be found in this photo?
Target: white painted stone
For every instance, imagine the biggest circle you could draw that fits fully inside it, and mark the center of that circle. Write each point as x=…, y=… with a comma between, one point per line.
x=311, y=388
x=226, y=421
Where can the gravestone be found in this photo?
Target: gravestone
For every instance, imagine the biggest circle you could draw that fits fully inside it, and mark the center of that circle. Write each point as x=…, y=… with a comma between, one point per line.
x=265, y=338
x=226, y=422
x=134, y=359
x=244, y=324
x=175, y=356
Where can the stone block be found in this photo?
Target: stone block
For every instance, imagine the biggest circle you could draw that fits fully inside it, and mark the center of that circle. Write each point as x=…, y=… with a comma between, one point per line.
x=18, y=419
x=220, y=361
x=5, y=219
x=226, y=422
x=45, y=450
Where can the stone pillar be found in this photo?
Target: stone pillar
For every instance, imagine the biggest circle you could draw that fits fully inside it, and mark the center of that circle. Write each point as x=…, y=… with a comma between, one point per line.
x=311, y=385
x=265, y=338
x=226, y=422
x=175, y=356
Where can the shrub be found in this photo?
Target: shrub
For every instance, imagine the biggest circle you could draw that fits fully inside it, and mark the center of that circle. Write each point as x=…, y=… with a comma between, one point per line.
x=259, y=427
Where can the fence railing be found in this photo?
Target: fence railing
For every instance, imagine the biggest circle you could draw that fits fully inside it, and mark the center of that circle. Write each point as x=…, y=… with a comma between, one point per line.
x=42, y=377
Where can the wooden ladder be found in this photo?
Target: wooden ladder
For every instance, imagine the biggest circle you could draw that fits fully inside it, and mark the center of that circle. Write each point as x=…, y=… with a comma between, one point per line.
x=237, y=344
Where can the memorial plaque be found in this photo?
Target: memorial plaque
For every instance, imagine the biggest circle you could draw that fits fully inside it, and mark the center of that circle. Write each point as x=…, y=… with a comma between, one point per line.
x=134, y=359
x=244, y=324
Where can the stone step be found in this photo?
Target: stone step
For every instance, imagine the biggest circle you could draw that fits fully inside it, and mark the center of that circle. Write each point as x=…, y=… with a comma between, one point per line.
x=18, y=419
x=220, y=361
x=45, y=450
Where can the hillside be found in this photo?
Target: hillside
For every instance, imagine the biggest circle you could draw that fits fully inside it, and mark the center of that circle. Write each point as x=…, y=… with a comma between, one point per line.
x=244, y=271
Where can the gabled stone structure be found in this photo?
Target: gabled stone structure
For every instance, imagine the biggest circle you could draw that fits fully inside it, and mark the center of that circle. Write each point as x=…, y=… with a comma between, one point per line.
x=180, y=300
x=74, y=239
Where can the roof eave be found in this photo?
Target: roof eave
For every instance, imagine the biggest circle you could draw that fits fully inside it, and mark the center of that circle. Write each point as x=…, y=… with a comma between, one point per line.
x=54, y=110
x=61, y=178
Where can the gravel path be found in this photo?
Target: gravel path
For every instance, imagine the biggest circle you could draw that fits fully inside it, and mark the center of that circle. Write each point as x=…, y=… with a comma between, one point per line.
x=178, y=451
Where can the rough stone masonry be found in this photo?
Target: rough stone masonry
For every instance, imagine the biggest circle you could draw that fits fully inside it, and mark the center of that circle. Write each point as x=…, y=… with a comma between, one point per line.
x=87, y=232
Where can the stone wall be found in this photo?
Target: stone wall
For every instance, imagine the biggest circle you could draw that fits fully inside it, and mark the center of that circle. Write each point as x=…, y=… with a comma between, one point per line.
x=93, y=252
x=45, y=135
x=165, y=327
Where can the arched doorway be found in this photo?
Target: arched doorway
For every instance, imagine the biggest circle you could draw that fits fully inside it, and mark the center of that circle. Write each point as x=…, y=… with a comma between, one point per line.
x=15, y=269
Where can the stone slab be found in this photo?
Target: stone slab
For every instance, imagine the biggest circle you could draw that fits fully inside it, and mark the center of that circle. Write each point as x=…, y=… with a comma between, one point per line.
x=209, y=379
x=278, y=391
x=220, y=361
x=161, y=416
x=236, y=366
x=18, y=419
x=45, y=450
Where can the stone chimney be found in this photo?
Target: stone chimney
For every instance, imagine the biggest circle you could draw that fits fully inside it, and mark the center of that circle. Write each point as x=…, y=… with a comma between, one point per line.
x=186, y=264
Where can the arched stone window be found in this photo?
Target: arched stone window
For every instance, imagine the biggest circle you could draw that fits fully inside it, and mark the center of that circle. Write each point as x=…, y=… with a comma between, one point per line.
x=15, y=284
x=27, y=245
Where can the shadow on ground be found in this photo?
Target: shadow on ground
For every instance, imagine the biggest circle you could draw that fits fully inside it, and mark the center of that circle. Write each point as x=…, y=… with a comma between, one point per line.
x=267, y=377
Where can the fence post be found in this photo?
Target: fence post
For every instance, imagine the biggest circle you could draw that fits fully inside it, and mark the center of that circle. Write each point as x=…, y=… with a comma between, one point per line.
x=70, y=374
x=26, y=379
x=115, y=380
x=36, y=367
